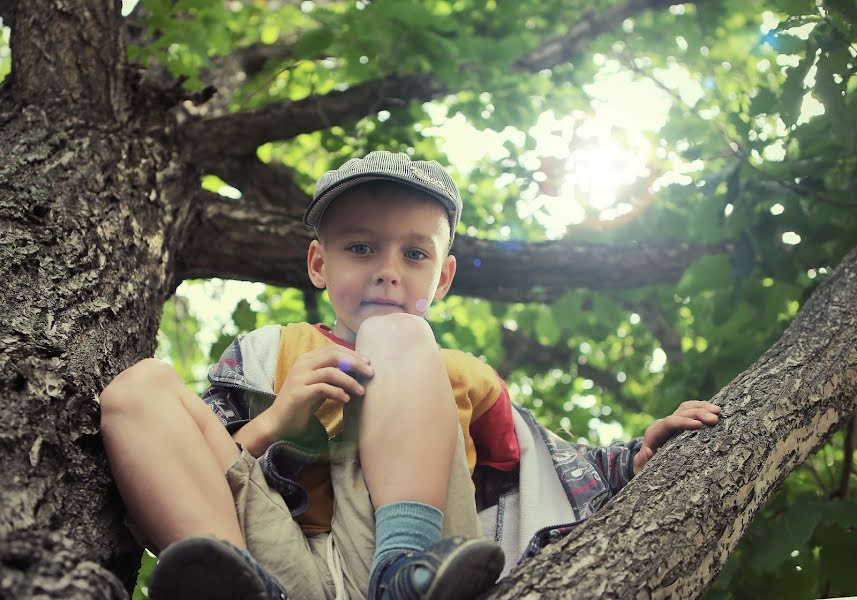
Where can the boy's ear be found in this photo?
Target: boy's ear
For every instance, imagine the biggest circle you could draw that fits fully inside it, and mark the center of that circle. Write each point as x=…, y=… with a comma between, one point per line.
x=315, y=264
x=447, y=274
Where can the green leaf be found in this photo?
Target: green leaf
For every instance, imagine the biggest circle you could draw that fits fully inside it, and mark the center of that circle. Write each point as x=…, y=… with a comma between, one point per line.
x=793, y=89
x=832, y=95
x=841, y=512
x=785, y=43
x=846, y=9
x=314, y=42
x=546, y=328
x=790, y=532
x=218, y=347
x=147, y=565
x=796, y=7
x=838, y=549
x=710, y=273
x=566, y=311
x=763, y=102
x=244, y=316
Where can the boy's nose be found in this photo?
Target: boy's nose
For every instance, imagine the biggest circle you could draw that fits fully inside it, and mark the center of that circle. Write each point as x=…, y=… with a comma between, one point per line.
x=386, y=276
x=387, y=273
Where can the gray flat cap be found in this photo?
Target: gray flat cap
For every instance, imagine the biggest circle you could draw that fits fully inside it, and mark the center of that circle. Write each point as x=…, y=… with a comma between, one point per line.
x=424, y=175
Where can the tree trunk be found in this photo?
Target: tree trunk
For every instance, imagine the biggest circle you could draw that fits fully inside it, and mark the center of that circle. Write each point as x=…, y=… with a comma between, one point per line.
x=89, y=225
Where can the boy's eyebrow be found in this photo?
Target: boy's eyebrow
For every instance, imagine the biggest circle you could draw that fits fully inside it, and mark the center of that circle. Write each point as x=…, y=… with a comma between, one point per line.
x=415, y=237
x=420, y=238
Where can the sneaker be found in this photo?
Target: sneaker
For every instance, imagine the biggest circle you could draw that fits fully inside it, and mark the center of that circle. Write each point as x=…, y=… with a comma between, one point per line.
x=205, y=567
x=452, y=569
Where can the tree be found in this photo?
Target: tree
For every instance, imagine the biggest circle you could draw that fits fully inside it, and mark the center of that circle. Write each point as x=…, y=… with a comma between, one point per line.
x=104, y=145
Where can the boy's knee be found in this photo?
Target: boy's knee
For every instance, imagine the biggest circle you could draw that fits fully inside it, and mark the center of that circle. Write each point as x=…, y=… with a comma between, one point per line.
x=128, y=389
x=399, y=330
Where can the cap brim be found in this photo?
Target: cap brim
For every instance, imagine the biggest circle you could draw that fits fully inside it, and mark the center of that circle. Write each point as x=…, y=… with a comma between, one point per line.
x=319, y=205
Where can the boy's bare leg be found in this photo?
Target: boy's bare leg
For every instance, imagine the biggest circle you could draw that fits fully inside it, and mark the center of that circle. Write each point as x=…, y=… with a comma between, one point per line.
x=169, y=455
x=408, y=426
x=408, y=433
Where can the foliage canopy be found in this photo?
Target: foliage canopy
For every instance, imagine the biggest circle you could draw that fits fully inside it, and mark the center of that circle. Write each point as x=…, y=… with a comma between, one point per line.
x=756, y=156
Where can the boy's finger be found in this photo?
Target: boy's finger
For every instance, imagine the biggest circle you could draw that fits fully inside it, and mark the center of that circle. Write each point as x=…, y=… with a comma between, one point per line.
x=326, y=391
x=344, y=359
x=643, y=457
x=699, y=404
x=676, y=422
x=338, y=378
x=699, y=414
x=348, y=365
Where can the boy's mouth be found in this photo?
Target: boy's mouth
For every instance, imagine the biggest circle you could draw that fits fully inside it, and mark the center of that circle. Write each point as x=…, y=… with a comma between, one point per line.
x=382, y=302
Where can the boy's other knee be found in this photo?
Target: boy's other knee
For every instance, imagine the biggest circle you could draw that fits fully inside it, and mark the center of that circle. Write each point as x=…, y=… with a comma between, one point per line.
x=128, y=390
x=397, y=332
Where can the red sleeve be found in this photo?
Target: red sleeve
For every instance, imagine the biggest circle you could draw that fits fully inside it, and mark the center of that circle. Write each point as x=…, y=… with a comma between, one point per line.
x=494, y=436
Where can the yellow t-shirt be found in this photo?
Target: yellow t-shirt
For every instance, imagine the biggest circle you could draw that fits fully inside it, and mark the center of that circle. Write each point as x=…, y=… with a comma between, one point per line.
x=475, y=386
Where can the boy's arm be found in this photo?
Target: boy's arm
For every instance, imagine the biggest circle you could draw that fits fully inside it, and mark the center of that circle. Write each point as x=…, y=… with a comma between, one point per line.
x=615, y=463
x=619, y=463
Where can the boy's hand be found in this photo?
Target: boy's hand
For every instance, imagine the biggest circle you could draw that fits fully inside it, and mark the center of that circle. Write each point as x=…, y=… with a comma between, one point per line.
x=692, y=414
x=325, y=373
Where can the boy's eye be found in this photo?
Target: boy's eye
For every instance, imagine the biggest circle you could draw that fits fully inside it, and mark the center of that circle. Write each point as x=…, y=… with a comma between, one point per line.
x=415, y=255
x=360, y=249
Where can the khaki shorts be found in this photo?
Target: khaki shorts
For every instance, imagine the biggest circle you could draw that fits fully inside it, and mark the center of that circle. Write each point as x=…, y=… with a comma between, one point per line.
x=334, y=565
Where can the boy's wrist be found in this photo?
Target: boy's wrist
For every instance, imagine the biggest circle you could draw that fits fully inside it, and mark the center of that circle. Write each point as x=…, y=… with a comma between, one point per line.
x=280, y=425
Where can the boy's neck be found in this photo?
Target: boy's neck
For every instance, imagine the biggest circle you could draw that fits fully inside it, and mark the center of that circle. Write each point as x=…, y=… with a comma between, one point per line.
x=334, y=336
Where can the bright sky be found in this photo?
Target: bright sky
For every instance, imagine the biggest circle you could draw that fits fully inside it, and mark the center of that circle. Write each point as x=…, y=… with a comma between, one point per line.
x=596, y=163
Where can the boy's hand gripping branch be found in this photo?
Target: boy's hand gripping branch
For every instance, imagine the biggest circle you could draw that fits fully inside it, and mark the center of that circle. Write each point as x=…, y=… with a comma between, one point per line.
x=692, y=414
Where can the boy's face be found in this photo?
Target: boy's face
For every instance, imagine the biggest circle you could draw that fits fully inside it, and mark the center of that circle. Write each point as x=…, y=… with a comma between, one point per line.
x=380, y=255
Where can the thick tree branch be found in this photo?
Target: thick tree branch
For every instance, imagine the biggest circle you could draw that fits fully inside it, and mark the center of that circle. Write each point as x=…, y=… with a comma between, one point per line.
x=260, y=183
x=773, y=416
x=564, y=48
x=514, y=271
x=241, y=133
x=228, y=73
x=235, y=240
x=505, y=271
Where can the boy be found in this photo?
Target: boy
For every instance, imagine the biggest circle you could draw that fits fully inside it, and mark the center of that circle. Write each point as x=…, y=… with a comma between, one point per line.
x=332, y=427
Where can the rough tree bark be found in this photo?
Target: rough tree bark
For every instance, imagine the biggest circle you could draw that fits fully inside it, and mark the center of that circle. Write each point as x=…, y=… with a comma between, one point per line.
x=101, y=217
x=91, y=213
x=683, y=515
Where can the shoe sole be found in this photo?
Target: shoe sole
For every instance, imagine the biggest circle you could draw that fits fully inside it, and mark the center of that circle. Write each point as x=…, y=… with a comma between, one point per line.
x=468, y=571
x=201, y=568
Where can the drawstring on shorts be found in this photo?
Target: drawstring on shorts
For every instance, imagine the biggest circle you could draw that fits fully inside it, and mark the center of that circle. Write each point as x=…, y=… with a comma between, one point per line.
x=337, y=572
